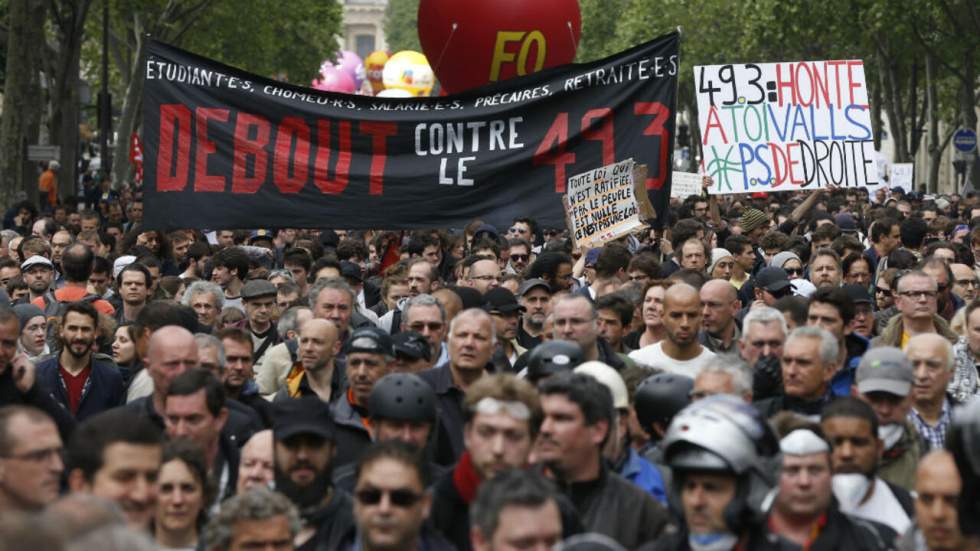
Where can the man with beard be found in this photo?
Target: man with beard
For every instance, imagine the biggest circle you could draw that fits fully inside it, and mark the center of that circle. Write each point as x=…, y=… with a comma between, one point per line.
x=505, y=311
x=535, y=296
x=425, y=315
x=578, y=420
x=392, y=503
x=237, y=376
x=369, y=356
x=851, y=427
x=804, y=511
x=680, y=352
x=38, y=273
x=83, y=384
x=304, y=447
x=825, y=269
x=884, y=380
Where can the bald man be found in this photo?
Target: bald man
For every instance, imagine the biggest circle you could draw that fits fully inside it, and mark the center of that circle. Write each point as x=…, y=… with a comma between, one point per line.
x=170, y=351
x=313, y=374
x=937, y=486
x=680, y=352
x=719, y=306
x=255, y=470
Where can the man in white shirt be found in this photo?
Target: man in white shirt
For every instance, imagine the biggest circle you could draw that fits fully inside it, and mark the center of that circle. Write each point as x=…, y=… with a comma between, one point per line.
x=851, y=428
x=679, y=352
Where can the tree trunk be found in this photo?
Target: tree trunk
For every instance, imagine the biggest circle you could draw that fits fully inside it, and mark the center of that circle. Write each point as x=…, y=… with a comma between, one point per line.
x=20, y=124
x=968, y=113
x=876, y=126
x=128, y=118
x=69, y=25
x=935, y=150
x=892, y=104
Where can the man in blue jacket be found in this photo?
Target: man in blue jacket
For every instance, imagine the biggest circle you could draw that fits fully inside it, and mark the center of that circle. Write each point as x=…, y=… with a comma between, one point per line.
x=81, y=382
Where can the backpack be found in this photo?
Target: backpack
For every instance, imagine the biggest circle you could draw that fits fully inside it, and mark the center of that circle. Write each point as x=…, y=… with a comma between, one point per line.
x=54, y=312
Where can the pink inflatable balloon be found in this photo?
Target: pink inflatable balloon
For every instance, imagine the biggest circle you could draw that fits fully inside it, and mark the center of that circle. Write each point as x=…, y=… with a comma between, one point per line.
x=333, y=79
x=351, y=63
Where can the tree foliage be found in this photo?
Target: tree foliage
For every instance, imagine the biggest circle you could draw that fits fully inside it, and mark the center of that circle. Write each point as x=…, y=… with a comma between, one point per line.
x=401, y=25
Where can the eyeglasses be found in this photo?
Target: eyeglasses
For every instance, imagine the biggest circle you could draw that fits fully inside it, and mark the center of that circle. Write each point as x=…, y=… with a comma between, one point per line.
x=399, y=498
x=420, y=326
x=883, y=291
x=928, y=295
x=39, y=456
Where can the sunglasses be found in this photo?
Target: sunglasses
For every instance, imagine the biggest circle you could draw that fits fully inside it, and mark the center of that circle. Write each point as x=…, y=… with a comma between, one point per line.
x=399, y=498
x=794, y=271
x=881, y=291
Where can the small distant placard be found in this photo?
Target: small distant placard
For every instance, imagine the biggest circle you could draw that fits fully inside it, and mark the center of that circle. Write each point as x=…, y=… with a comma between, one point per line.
x=685, y=184
x=901, y=175
x=43, y=152
x=603, y=204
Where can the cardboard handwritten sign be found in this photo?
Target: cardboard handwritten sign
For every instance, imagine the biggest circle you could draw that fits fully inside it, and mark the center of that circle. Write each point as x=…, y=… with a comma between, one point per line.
x=684, y=184
x=785, y=126
x=902, y=175
x=607, y=203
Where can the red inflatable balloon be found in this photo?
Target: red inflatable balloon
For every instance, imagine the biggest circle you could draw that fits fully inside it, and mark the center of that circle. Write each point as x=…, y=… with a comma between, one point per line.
x=472, y=43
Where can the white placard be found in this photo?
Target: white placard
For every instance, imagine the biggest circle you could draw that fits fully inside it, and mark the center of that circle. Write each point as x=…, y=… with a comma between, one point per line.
x=901, y=174
x=684, y=184
x=602, y=205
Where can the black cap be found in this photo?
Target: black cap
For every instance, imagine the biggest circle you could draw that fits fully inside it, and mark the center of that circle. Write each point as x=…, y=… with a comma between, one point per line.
x=351, y=270
x=500, y=300
x=255, y=288
x=369, y=339
x=411, y=344
x=552, y=357
x=306, y=415
x=488, y=229
x=772, y=279
x=533, y=283
x=858, y=293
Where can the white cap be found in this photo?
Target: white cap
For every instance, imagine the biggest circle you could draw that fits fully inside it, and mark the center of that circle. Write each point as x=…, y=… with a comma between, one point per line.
x=121, y=263
x=803, y=442
x=608, y=377
x=34, y=261
x=803, y=288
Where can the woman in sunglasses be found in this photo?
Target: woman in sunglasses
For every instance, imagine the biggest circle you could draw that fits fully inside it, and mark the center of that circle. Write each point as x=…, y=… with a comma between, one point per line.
x=789, y=261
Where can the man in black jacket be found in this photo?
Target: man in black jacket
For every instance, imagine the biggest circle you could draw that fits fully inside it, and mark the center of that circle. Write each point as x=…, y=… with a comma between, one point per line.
x=578, y=415
x=81, y=383
x=18, y=377
x=303, y=458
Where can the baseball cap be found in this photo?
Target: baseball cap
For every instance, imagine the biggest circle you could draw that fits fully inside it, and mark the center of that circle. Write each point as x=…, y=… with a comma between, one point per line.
x=306, y=415
x=531, y=284
x=120, y=264
x=500, y=300
x=858, y=293
x=255, y=288
x=260, y=235
x=885, y=369
x=772, y=279
x=411, y=344
x=846, y=223
x=351, y=270
x=36, y=260
x=369, y=339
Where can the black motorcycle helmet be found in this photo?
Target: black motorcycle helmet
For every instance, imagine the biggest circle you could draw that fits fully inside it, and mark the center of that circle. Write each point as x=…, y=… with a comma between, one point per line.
x=402, y=397
x=660, y=397
x=553, y=357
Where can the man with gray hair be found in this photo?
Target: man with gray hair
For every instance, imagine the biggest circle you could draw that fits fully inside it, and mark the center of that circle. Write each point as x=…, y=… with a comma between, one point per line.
x=270, y=373
x=764, y=332
x=207, y=299
x=723, y=375
x=426, y=316
x=331, y=298
x=210, y=353
x=808, y=362
x=256, y=519
x=932, y=364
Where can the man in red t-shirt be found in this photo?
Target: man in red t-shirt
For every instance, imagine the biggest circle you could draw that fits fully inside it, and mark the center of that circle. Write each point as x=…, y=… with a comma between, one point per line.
x=76, y=263
x=83, y=384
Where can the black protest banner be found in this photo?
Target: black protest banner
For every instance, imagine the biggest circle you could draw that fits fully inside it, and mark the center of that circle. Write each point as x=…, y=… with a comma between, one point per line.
x=227, y=149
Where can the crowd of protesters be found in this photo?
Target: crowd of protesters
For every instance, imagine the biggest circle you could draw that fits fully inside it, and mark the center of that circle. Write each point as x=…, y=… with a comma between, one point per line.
x=778, y=371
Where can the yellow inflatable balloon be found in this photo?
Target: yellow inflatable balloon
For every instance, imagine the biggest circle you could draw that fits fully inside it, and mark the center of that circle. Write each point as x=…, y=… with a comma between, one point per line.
x=374, y=66
x=409, y=71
